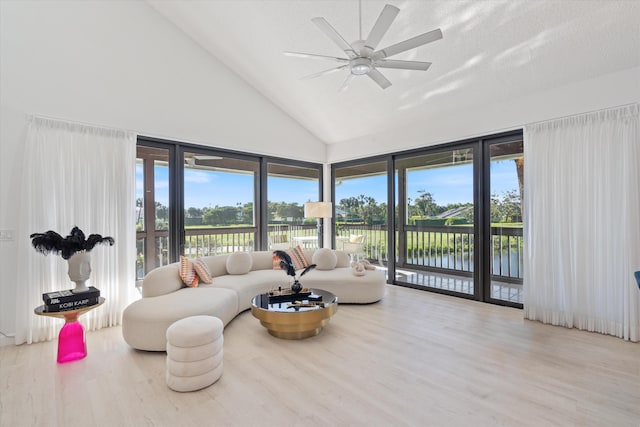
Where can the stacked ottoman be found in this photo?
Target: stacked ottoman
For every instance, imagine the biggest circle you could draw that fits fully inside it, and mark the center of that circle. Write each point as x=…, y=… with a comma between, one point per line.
x=194, y=353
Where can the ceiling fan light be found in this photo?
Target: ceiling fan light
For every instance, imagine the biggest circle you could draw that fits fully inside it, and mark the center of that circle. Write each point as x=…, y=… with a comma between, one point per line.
x=360, y=66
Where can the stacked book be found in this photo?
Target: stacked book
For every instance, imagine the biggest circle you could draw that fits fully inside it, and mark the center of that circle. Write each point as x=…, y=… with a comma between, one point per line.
x=67, y=300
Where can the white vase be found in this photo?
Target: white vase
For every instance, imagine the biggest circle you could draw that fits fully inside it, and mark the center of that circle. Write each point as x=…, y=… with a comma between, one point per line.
x=80, y=270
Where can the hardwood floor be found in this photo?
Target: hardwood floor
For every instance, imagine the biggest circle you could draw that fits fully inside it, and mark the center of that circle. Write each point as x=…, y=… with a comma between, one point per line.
x=415, y=358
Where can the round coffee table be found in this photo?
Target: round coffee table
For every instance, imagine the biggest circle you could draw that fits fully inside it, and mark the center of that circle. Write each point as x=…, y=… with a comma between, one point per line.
x=297, y=319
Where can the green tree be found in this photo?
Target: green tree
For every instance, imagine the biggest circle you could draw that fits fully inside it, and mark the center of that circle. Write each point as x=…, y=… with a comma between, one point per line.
x=162, y=216
x=506, y=208
x=425, y=204
x=246, y=213
x=363, y=208
x=194, y=212
x=221, y=215
x=140, y=210
x=290, y=210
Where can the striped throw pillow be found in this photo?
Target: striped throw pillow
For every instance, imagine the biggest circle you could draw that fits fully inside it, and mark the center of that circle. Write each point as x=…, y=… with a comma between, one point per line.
x=202, y=269
x=297, y=257
x=187, y=273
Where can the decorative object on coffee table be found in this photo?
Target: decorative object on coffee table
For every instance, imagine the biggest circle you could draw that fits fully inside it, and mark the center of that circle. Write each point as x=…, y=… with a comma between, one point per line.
x=286, y=263
x=74, y=248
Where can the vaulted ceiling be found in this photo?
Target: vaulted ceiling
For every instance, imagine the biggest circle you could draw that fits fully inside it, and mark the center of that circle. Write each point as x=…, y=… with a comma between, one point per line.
x=491, y=51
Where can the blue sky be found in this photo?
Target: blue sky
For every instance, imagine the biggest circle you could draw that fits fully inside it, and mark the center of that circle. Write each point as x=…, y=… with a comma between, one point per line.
x=205, y=188
x=448, y=185
x=452, y=184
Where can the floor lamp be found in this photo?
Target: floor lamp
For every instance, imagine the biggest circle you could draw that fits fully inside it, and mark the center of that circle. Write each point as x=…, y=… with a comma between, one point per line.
x=318, y=210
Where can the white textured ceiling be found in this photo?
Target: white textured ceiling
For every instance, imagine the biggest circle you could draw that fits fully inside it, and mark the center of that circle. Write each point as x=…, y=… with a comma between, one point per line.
x=491, y=51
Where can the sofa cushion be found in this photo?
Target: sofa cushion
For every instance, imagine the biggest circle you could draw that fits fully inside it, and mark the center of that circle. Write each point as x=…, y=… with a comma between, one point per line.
x=163, y=280
x=342, y=259
x=254, y=283
x=262, y=260
x=239, y=263
x=217, y=264
x=368, y=288
x=324, y=259
x=145, y=321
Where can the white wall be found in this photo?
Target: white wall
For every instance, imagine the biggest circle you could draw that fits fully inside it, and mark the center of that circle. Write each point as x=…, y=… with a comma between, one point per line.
x=120, y=64
x=607, y=91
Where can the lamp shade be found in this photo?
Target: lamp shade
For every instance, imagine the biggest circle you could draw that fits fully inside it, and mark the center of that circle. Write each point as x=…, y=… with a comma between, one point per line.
x=318, y=210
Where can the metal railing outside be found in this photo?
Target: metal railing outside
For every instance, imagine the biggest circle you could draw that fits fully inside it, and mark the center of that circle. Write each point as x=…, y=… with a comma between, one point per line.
x=449, y=248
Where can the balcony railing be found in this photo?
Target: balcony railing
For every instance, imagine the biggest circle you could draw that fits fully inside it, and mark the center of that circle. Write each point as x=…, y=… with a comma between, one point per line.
x=446, y=248
x=218, y=241
x=451, y=249
x=437, y=248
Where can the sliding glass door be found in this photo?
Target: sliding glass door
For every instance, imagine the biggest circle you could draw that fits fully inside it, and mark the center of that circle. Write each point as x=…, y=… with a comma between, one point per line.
x=361, y=215
x=505, y=247
x=436, y=219
x=289, y=187
x=454, y=222
x=153, y=239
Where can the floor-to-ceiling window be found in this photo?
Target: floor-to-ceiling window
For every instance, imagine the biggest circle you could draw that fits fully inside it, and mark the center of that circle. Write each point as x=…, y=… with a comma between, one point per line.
x=436, y=220
x=289, y=187
x=219, y=196
x=504, y=171
x=453, y=221
x=194, y=201
x=152, y=208
x=360, y=195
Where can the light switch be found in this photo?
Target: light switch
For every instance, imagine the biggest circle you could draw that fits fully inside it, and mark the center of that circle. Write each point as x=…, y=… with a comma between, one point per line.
x=6, y=235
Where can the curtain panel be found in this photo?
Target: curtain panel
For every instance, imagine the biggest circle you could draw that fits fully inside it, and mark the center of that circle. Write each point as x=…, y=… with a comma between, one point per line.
x=582, y=222
x=75, y=175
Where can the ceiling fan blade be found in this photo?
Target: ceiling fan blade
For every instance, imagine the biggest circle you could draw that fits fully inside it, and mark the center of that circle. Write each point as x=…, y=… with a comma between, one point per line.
x=314, y=56
x=403, y=65
x=411, y=43
x=326, y=28
x=377, y=77
x=322, y=73
x=204, y=157
x=380, y=28
x=346, y=82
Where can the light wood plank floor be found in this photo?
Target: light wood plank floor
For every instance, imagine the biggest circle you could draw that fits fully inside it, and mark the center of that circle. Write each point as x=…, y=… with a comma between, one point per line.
x=415, y=358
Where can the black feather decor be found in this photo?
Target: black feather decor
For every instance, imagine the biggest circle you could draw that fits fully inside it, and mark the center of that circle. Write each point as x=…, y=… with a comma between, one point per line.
x=287, y=265
x=51, y=242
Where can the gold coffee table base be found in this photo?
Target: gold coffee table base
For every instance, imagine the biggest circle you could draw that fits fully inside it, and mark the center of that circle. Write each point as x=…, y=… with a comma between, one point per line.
x=292, y=324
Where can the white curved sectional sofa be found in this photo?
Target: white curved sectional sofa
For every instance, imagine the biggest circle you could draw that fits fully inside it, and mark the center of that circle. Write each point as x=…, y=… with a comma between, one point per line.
x=165, y=299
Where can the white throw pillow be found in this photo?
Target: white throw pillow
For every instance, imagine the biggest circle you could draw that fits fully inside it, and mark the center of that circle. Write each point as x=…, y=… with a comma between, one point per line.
x=239, y=263
x=342, y=259
x=324, y=259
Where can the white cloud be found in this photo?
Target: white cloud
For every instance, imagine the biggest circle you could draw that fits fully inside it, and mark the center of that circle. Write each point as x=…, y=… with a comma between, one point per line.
x=197, y=177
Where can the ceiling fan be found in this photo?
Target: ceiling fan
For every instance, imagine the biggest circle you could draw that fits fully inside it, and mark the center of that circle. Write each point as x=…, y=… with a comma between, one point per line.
x=362, y=57
x=191, y=161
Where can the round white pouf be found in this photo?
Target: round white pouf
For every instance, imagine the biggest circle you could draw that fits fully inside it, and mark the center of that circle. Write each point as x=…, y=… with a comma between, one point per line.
x=194, y=353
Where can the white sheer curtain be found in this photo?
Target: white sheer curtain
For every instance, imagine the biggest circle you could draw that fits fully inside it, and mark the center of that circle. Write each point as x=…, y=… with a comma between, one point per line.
x=582, y=222
x=75, y=174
